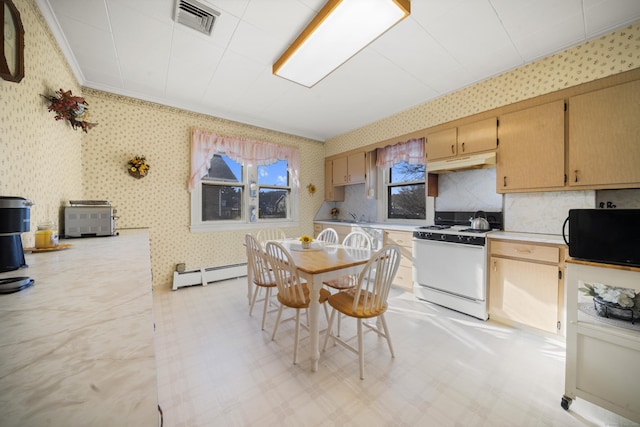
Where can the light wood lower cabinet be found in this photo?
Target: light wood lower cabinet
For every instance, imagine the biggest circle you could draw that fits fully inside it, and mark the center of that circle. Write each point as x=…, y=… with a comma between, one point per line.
x=402, y=239
x=526, y=285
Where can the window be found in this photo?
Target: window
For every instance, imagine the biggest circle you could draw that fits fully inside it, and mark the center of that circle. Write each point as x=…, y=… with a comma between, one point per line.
x=273, y=190
x=405, y=191
x=222, y=190
x=234, y=194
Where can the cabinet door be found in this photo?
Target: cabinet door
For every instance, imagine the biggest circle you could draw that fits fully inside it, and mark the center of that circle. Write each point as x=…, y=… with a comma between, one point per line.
x=531, y=151
x=604, y=129
x=441, y=145
x=478, y=136
x=331, y=193
x=356, y=168
x=340, y=173
x=524, y=292
x=404, y=241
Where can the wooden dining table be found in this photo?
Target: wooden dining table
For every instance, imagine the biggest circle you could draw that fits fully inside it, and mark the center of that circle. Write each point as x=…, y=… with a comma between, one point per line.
x=317, y=264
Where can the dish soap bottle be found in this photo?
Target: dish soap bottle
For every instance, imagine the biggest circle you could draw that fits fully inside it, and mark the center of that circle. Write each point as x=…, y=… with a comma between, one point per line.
x=46, y=236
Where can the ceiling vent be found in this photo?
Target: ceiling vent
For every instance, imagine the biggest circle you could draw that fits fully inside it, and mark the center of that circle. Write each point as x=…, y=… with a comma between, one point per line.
x=196, y=15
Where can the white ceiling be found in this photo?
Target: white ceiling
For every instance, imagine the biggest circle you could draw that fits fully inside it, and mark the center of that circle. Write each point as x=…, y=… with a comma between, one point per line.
x=135, y=48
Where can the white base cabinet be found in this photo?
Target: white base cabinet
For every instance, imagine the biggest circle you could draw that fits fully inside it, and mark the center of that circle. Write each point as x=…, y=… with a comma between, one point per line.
x=603, y=355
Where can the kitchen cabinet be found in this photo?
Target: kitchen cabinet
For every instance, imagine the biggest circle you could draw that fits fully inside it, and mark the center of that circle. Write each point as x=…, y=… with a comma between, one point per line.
x=602, y=353
x=525, y=284
x=476, y=137
x=604, y=149
x=532, y=151
x=404, y=241
x=349, y=169
x=331, y=192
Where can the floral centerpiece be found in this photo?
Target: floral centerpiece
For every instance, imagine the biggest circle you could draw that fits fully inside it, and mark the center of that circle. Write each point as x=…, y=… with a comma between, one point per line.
x=306, y=241
x=612, y=301
x=334, y=213
x=72, y=108
x=138, y=167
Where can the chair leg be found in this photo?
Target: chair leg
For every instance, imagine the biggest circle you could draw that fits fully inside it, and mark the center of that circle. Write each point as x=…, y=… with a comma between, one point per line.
x=386, y=333
x=253, y=300
x=295, y=343
x=327, y=334
x=266, y=306
x=360, y=349
x=275, y=328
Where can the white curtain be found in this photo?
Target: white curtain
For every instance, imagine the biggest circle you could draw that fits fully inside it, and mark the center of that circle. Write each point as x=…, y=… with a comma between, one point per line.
x=411, y=151
x=247, y=152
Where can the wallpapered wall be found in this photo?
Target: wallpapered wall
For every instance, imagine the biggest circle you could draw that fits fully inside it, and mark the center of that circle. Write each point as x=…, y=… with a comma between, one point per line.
x=39, y=157
x=610, y=54
x=161, y=201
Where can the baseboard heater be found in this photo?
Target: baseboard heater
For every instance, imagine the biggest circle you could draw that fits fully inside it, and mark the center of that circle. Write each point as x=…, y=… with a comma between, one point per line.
x=208, y=275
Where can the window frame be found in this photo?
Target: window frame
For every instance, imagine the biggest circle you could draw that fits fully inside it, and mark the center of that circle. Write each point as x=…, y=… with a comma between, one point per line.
x=383, y=204
x=248, y=182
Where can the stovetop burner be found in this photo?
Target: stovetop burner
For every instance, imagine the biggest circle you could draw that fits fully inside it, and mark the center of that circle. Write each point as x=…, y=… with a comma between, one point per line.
x=435, y=227
x=474, y=230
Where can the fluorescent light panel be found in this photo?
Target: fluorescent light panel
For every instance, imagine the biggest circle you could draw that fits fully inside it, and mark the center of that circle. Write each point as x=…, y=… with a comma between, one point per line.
x=340, y=30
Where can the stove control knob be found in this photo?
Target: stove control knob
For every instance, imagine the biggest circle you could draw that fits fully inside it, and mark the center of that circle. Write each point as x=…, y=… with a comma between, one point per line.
x=443, y=236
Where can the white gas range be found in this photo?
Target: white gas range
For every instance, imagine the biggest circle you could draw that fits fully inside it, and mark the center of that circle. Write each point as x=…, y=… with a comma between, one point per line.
x=449, y=262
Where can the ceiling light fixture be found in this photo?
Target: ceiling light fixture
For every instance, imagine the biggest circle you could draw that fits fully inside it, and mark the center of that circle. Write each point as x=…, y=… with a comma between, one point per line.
x=340, y=30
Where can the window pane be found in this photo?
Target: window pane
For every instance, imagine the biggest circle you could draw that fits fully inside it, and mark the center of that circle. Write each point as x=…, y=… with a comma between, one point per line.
x=273, y=203
x=221, y=202
x=223, y=168
x=274, y=174
x=407, y=201
x=404, y=172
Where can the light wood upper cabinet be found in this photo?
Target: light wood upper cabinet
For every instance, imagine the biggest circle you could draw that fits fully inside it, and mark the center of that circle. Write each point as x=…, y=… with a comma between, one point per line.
x=477, y=137
x=349, y=169
x=442, y=144
x=531, y=151
x=604, y=137
x=464, y=140
x=331, y=193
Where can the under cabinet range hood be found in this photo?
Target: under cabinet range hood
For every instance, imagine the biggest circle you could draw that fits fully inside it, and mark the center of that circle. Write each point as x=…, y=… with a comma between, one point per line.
x=476, y=161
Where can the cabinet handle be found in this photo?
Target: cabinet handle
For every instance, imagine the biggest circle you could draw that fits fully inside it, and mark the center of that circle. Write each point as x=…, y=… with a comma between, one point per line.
x=345, y=178
x=523, y=251
x=453, y=149
x=504, y=181
x=495, y=266
x=349, y=178
x=463, y=147
x=576, y=175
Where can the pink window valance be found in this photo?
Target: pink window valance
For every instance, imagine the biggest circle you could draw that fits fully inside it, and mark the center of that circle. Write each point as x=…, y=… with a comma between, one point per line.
x=411, y=151
x=244, y=151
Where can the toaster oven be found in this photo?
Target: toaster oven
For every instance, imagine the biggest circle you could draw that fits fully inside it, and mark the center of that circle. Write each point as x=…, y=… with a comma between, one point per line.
x=89, y=218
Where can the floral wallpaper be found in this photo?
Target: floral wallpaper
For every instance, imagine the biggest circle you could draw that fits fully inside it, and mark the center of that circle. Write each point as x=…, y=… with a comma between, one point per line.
x=40, y=157
x=614, y=53
x=161, y=201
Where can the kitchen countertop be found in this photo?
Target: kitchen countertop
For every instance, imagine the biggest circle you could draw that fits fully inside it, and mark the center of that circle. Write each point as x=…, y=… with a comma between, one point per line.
x=554, y=239
x=77, y=347
x=382, y=225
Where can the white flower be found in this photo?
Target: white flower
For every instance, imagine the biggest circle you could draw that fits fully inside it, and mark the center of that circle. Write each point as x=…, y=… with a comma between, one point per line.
x=623, y=296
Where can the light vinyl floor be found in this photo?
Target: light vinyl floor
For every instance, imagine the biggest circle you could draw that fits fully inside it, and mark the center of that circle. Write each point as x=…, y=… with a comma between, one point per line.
x=217, y=368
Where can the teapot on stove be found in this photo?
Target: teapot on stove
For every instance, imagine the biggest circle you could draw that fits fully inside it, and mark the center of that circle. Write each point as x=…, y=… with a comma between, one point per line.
x=479, y=222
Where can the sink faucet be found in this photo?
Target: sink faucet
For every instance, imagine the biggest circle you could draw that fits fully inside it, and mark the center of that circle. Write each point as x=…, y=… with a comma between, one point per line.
x=353, y=215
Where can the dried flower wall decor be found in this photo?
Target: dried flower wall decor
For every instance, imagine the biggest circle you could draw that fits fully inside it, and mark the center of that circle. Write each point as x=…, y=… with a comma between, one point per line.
x=72, y=108
x=138, y=167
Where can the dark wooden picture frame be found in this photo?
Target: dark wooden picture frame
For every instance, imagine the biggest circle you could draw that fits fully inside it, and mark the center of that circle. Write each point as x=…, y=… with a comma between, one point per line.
x=11, y=72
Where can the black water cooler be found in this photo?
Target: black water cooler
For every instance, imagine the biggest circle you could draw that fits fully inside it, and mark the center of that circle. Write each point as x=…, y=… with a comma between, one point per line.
x=14, y=220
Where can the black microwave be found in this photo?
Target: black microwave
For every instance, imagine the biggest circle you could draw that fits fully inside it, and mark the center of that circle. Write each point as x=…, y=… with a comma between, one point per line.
x=604, y=235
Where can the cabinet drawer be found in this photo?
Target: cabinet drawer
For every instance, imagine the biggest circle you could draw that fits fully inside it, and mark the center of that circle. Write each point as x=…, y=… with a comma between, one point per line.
x=400, y=238
x=526, y=250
